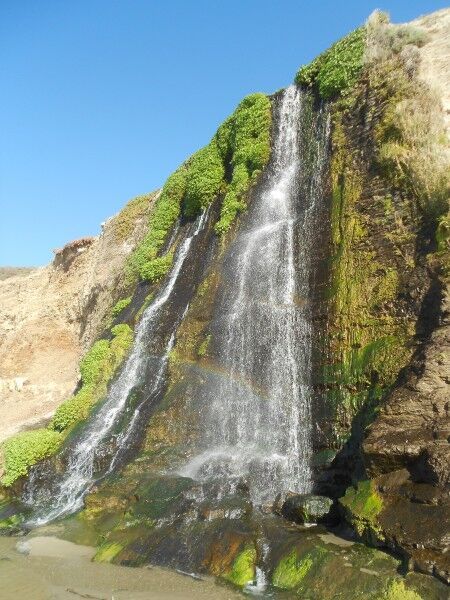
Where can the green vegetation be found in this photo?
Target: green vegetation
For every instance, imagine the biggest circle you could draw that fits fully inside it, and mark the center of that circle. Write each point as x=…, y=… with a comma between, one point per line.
x=125, y=222
x=362, y=505
x=243, y=569
x=205, y=179
x=410, y=138
x=239, y=150
x=25, y=449
x=291, y=570
x=107, y=552
x=243, y=141
x=145, y=304
x=398, y=591
x=443, y=233
x=203, y=348
x=366, y=343
x=165, y=212
x=97, y=368
x=119, y=306
x=154, y=270
x=337, y=69
x=12, y=521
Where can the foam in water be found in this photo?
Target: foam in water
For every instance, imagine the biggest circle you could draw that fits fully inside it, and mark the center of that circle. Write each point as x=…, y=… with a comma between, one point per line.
x=257, y=423
x=80, y=472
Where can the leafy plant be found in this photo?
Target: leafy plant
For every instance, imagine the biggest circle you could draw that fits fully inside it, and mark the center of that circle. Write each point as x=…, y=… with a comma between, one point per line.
x=119, y=306
x=25, y=449
x=243, y=141
x=166, y=210
x=240, y=148
x=96, y=368
x=337, y=69
x=204, y=179
x=154, y=270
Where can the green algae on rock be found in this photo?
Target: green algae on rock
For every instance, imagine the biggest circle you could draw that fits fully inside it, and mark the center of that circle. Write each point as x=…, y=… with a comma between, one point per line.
x=243, y=568
x=362, y=505
x=291, y=570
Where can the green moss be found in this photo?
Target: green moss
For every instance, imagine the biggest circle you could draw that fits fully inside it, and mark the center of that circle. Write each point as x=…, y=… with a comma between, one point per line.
x=119, y=306
x=243, y=569
x=337, y=69
x=107, y=552
x=25, y=449
x=291, y=571
x=96, y=368
x=398, y=591
x=148, y=300
x=203, y=348
x=125, y=222
x=362, y=505
x=367, y=342
x=12, y=522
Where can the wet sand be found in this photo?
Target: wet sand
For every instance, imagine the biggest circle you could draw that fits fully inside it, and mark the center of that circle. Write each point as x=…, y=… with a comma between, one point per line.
x=47, y=568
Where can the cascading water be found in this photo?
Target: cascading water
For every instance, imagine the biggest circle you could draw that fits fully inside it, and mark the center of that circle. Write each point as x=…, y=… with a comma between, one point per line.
x=80, y=473
x=257, y=424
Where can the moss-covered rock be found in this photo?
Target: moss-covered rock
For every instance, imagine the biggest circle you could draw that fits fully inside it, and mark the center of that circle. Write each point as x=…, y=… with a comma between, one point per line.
x=362, y=505
x=243, y=569
x=291, y=570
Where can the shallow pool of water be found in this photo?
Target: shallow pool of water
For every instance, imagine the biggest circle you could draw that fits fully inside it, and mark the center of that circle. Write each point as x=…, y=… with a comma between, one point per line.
x=46, y=568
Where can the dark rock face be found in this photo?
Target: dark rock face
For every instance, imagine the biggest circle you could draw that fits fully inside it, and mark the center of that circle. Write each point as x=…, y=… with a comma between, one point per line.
x=413, y=428
x=307, y=508
x=407, y=450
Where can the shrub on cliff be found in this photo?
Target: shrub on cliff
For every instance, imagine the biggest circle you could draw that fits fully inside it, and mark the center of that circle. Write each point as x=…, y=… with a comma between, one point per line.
x=240, y=149
x=25, y=449
x=337, y=69
x=97, y=368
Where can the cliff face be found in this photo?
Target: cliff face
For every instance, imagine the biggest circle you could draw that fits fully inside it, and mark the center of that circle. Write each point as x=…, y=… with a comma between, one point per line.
x=380, y=327
x=383, y=384
x=50, y=316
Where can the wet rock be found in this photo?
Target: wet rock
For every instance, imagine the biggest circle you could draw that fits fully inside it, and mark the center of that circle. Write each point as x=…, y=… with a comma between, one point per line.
x=323, y=459
x=411, y=519
x=307, y=508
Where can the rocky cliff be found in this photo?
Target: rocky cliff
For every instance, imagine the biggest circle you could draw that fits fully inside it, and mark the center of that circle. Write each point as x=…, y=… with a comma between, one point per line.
x=50, y=316
x=374, y=148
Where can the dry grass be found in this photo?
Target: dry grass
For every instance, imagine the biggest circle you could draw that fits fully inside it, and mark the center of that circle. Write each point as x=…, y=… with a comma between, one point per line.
x=413, y=142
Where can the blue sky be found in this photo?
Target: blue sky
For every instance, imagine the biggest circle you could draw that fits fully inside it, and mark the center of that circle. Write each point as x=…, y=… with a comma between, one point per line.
x=102, y=99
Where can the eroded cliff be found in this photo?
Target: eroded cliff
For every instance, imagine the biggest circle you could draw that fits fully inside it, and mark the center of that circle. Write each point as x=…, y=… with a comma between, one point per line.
x=374, y=147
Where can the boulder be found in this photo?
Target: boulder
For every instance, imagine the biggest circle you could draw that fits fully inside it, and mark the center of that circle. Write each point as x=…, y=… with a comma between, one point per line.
x=307, y=508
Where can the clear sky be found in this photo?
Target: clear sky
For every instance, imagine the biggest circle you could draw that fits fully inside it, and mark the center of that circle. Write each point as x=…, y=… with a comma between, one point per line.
x=102, y=99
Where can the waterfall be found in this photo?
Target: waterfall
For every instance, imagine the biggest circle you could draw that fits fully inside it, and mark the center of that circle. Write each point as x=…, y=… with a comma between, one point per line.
x=257, y=422
x=80, y=472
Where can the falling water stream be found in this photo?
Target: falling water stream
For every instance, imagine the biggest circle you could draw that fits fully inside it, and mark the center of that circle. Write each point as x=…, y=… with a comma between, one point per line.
x=256, y=419
x=257, y=424
x=80, y=472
